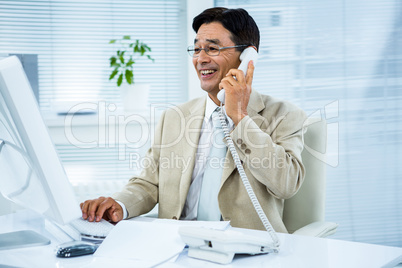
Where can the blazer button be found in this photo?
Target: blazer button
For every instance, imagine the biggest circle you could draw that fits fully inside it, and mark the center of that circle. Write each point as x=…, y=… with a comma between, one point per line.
x=247, y=151
x=243, y=146
x=239, y=141
x=174, y=218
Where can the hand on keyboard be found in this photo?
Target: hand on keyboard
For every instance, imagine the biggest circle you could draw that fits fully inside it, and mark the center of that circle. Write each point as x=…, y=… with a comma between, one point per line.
x=103, y=207
x=97, y=230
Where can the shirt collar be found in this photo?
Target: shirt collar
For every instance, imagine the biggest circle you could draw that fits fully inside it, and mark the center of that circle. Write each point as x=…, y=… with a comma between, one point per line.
x=210, y=107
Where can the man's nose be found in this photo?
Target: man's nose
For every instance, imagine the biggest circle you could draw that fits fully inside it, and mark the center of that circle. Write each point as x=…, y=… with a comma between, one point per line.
x=203, y=56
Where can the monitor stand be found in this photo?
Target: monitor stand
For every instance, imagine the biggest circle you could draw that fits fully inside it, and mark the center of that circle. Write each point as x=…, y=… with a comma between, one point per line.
x=20, y=239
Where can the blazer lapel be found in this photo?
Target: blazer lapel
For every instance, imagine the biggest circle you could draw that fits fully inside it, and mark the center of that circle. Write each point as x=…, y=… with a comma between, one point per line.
x=255, y=106
x=194, y=117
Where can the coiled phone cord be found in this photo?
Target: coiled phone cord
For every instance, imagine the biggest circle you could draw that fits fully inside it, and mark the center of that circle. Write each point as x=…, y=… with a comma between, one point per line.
x=246, y=182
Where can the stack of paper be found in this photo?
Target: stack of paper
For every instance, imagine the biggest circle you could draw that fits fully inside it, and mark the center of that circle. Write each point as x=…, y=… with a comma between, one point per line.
x=147, y=242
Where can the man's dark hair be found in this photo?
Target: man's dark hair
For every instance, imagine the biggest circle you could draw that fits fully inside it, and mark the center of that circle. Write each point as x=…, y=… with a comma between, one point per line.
x=243, y=29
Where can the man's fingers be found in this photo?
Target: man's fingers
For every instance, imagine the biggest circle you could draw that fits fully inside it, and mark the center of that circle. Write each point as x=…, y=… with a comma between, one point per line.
x=240, y=77
x=90, y=207
x=236, y=73
x=116, y=213
x=226, y=83
x=250, y=73
x=106, y=208
x=84, y=208
x=103, y=207
x=84, y=212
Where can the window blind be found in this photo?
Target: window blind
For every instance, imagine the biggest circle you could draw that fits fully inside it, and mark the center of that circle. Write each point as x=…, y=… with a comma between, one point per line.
x=99, y=163
x=71, y=39
x=343, y=60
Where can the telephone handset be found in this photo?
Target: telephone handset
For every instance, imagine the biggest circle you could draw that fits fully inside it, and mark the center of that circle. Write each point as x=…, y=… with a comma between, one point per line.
x=246, y=56
x=223, y=245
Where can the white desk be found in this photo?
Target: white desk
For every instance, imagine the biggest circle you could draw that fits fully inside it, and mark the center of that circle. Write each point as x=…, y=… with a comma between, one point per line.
x=296, y=251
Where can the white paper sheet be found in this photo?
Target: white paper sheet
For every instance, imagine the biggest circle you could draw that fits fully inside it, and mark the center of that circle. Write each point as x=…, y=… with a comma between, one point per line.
x=148, y=242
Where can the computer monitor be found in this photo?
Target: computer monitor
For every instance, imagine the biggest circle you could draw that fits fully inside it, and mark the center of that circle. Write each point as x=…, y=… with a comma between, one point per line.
x=31, y=174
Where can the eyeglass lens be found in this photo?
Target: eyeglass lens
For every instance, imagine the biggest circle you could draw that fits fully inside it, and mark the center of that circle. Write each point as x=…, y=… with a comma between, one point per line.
x=211, y=50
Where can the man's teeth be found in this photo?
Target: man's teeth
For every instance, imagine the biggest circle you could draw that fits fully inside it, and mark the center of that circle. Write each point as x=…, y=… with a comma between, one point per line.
x=205, y=72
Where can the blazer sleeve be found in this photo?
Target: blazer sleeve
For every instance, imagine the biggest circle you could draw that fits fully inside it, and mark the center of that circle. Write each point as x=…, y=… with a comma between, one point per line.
x=272, y=151
x=140, y=195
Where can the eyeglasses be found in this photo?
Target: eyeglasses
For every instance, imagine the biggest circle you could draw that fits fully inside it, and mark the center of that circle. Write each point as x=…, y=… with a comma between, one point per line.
x=211, y=50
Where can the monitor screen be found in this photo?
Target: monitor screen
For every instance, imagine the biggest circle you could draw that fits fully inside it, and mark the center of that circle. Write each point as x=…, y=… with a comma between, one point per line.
x=31, y=173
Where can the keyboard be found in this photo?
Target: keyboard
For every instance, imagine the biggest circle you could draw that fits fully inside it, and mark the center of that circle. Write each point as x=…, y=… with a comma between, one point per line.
x=92, y=230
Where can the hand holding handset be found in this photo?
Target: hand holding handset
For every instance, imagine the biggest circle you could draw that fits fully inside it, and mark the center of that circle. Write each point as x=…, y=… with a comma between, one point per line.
x=221, y=248
x=246, y=56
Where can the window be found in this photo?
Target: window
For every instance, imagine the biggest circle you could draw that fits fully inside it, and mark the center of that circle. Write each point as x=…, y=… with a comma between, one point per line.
x=275, y=18
x=343, y=59
x=71, y=39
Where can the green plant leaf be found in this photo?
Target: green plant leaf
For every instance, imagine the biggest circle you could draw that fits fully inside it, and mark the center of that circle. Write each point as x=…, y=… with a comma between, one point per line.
x=120, y=80
x=123, y=62
x=112, y=61
x=130, y=63
x=122, y=58
x=147, y=47
x=113, y=74
x=150, y=58
x=129, y=76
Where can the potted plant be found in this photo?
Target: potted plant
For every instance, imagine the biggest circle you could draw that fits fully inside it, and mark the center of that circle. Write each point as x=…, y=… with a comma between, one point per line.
x=134, y=96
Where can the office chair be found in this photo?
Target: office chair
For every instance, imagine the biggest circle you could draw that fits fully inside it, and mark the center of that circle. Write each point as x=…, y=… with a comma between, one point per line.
x=304, y=213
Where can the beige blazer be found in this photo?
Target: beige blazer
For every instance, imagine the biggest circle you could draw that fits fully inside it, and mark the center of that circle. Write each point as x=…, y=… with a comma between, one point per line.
x=268, y=141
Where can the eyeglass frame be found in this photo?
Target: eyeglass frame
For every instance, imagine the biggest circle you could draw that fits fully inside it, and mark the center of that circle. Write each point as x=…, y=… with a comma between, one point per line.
x=194, y=55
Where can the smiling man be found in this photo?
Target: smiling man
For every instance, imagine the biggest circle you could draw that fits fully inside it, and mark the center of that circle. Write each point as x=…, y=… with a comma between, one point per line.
x=266, y=132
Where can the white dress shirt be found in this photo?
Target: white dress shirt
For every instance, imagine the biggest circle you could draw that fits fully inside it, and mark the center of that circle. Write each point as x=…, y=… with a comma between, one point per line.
x=191, y=206
x=204, y=144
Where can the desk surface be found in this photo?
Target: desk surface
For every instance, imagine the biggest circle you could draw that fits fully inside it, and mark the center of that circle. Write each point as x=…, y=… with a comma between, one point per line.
x=296, y=251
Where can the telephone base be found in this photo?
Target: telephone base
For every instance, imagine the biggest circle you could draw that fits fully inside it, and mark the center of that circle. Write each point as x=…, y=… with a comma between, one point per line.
x=221, y=246
x=214, y=256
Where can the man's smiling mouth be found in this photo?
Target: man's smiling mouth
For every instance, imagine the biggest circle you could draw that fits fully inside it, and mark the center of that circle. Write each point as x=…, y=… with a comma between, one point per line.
x=207, y=72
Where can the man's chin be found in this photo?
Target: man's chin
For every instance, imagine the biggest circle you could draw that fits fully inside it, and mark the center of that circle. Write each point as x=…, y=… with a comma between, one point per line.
x=210, y=90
